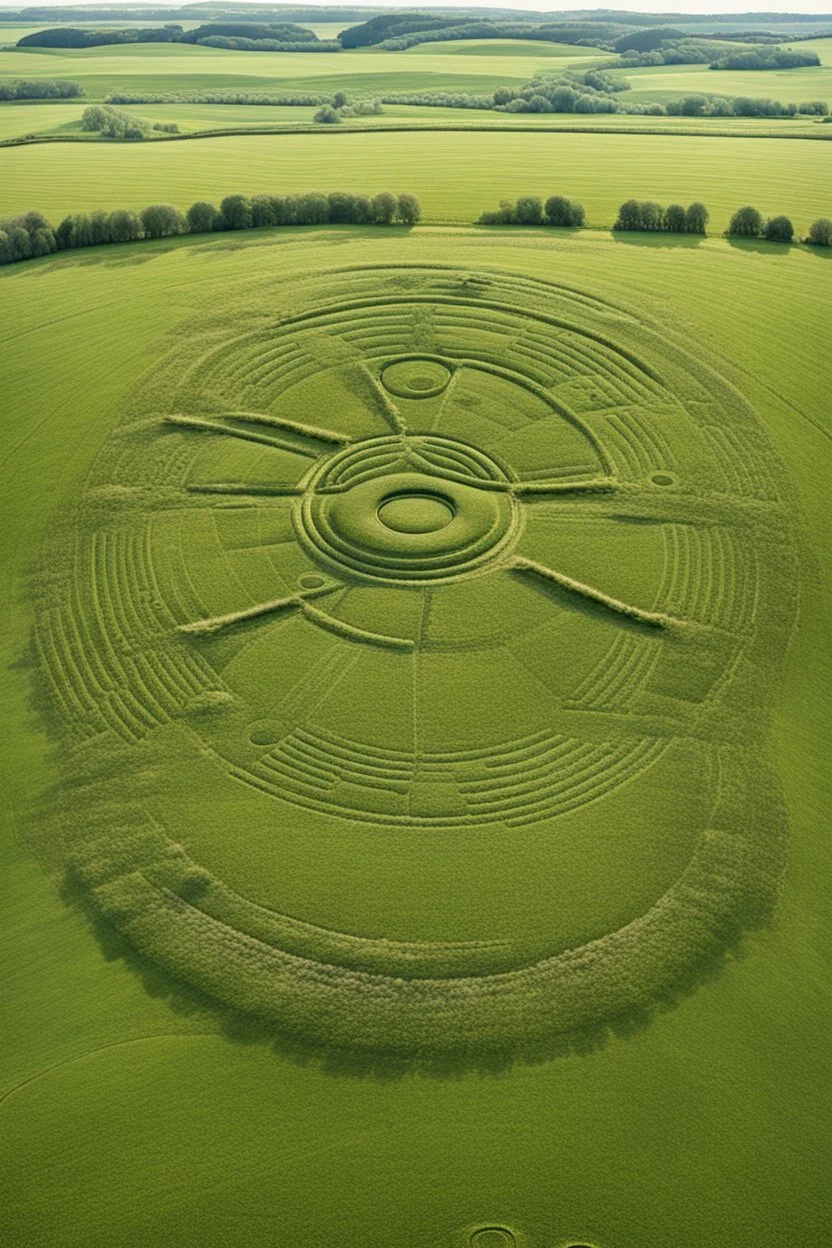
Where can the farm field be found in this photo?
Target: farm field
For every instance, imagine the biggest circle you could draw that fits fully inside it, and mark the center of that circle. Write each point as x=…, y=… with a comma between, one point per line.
x=63, y=119
x=456, y=175
x=413, y=802
x=544, y=1155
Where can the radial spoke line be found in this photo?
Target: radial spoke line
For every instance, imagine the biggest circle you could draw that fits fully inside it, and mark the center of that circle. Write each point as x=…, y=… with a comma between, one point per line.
x=597, y=485
x=243, y=487
x=291, y=426
x=655, y=619
x=387, y=407
x=352, y=633
x=216, y=623
x=210, y=426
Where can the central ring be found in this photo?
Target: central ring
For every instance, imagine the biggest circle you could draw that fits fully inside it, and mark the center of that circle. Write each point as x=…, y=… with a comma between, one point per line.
x=399, y=508
x=409, y=512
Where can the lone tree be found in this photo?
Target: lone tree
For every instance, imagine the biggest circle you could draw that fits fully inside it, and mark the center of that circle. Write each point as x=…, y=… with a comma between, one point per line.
x=409, y=210
x=235, y=213
x=629, y=216
x=340, y=99
x=675, y=219
x=652, y=216
x=746, y=223
x=528, y=210
x=384, y=208
x=820, y=233
x=203, y=217
x=697, y=218
x=563, y=212
x=125, y=226
x=779, y=230
x=327, y=115
x=162, y=221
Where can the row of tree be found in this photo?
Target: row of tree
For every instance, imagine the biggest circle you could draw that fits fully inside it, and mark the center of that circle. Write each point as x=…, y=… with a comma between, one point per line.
x=40, y=89
x=31, y=235
x=748, y=222
x=529, y=210
x=596, y=91
x=646, y=215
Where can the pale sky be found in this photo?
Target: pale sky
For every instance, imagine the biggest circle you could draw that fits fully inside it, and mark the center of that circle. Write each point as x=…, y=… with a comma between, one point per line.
x=820, y=7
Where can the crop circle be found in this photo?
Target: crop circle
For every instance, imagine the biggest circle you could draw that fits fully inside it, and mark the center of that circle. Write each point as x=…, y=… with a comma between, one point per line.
x=493, y=1237
x=415, y=378
x=424, y=628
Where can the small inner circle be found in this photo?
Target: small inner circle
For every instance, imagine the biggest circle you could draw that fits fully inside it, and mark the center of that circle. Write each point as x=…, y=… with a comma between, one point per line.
x=421, y=382
x=493, y=1237
x=415, y=513
x=661, y=478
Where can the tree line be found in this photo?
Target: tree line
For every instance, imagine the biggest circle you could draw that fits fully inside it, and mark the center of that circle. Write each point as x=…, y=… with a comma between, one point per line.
x=748, y=222
x=530, y=210
x=31, y=235
x=239, y=36
x=645, y=216
x=40, y=89
x=597, y=91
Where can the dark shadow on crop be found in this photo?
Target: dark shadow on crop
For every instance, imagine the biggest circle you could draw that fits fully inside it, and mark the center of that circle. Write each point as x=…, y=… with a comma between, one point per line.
x=636, y=238
x=302, y=1050
x=759, y=246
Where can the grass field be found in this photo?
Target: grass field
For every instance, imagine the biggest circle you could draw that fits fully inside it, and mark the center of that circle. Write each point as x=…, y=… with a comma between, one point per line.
x=456, y=176
x=414, y=794
x=161, y=1090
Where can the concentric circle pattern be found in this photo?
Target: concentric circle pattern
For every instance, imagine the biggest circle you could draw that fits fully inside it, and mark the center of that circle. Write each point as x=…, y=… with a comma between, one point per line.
x=414, y=653
x=407, y=509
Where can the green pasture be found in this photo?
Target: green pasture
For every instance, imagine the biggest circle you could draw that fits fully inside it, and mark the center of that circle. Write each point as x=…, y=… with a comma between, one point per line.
x=63, y=118
x=666, y=82
x=456, y=175
x=133, y=1112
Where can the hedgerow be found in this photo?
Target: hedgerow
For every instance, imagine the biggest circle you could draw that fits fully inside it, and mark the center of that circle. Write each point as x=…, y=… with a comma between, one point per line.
x=529, y=210
x=29, y=236
x=40, y=89
x=653, y=218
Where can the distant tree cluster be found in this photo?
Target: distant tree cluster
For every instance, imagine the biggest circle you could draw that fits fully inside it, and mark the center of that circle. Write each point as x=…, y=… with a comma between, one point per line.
x=662, y=45
x=221, y=97
x=529, y=210
x=645, y=215
x=40, y=89
x=25, y=237
x=597, y=91
x=741, y=106
x=237, y=36
x=340, y=107
x=766, y=58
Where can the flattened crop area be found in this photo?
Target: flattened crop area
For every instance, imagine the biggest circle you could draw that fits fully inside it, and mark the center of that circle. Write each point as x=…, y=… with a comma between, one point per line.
x=432, y=562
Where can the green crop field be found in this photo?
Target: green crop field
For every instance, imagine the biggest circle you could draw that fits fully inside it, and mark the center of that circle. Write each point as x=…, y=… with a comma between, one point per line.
x=414, y=671
x=456, y=175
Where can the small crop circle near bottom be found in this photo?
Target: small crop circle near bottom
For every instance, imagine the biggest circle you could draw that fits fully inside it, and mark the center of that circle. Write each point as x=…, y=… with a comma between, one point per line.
x=493, y=1237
